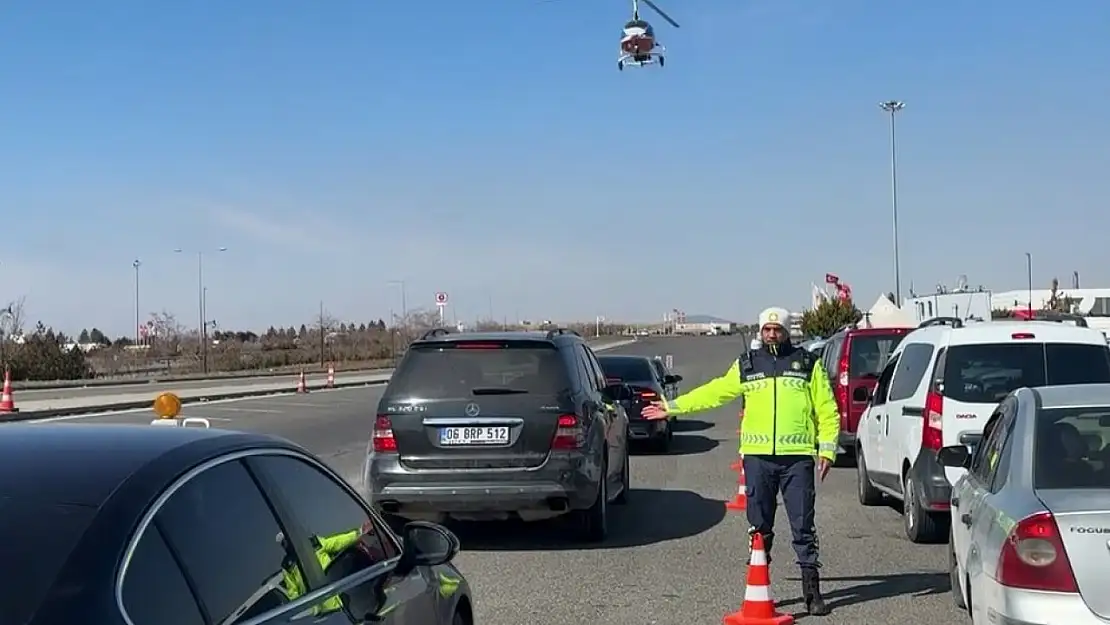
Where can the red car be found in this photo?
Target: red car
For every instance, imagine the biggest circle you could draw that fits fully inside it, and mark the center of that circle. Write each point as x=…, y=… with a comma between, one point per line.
x=854, y=357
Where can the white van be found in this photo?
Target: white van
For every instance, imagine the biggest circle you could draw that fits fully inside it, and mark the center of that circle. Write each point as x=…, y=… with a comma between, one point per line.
x=939, y=388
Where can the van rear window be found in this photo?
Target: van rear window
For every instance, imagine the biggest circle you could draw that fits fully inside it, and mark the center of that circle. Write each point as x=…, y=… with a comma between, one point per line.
x=456, y=369
x=986, y=373
x=869, y=353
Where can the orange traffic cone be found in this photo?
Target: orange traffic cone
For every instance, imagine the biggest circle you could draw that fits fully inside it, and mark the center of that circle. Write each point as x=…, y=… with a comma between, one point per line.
x=302, y=385
x=758, y=607
x=740, y=501
x=331, y=377
x=7, y=403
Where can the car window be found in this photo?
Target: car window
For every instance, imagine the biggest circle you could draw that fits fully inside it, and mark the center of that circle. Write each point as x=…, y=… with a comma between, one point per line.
x=595, y=366
x=831, y=355
x=985, y=373
x=627, y=369
x=326, y=510
x=455, y=368
x=1071, y=448
x=597, y=378
x=980, y=465
x=1000, y=464
x=869, y=353
x=912, y=365
x=660, y=370
x=882, y=388
x=155, y=591
x=39, y=535
x=229, y=544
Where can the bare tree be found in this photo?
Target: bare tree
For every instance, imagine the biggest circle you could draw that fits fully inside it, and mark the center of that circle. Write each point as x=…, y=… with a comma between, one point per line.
x=14, y=317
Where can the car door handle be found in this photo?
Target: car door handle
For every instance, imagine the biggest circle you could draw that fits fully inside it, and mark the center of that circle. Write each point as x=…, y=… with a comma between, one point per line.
x=955, y=502
x=965, y=518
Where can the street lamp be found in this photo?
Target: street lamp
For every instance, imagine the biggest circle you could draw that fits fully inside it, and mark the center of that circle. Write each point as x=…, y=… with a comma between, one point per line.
x=404, y=300
x=138, y=322
x=597, y=326
x=1029, y=280
x=202, y=328
x=893, y=107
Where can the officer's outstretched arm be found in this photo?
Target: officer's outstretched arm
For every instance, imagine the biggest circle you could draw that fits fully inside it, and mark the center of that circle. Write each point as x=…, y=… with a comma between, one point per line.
x=336, y=543
x=825, y=412
x=713, y=394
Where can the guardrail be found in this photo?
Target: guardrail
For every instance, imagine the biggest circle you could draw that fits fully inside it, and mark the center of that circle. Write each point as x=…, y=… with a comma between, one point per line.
x=133, y=398
x=169, y=378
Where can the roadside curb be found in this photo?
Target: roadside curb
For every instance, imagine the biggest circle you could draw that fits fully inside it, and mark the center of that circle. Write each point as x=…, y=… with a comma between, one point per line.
x=185, y=400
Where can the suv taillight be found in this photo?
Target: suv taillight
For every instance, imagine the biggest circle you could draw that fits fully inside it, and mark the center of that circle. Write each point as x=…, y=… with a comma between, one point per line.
x=382, y=439
x=931, y=432
x=569, y=434
x=1033, y=557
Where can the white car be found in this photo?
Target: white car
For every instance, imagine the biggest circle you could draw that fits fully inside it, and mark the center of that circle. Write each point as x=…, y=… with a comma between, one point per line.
x=939, y=387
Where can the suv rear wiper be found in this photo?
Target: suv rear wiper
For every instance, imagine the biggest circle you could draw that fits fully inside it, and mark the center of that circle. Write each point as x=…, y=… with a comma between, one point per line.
x=497, y=390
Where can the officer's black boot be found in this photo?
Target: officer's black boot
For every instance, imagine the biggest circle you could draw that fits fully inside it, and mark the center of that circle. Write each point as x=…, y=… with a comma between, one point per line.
x=811, y=592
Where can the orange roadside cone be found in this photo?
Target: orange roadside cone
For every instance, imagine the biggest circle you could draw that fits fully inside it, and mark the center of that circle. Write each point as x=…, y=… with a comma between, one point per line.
x=740, y=501
x=7, y=403
x=302, y=385
x=758, y=607
x=331, y=377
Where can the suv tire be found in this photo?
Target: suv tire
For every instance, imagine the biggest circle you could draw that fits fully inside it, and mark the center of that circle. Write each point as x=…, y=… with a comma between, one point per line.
x=922, y=526
x=868, y=494
x=592, y=524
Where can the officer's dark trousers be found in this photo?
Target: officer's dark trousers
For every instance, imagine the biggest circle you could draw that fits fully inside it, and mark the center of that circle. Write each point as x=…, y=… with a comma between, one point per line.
x=794, y=476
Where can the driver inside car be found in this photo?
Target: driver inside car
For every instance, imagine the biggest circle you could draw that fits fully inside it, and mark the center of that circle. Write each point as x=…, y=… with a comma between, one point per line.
x=327, y=548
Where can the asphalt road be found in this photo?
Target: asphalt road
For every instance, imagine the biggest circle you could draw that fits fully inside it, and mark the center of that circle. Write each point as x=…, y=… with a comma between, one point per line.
x=675, y=556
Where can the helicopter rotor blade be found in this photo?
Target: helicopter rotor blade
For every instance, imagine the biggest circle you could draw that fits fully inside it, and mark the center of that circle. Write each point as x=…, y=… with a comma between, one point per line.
x=661, y=13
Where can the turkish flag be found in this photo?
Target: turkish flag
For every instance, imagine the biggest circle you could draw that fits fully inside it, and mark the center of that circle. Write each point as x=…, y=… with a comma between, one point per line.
x=831, y=279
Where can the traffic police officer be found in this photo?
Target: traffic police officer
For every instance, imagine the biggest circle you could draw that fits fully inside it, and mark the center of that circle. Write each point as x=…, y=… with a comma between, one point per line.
x=790, y=416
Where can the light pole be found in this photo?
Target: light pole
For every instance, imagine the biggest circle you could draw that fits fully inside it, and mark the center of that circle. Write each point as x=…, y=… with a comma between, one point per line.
x=597, y=326
x=1029, y=280
x=202, y=329
x=404, y=300
x=893, y=107
x=138, y=322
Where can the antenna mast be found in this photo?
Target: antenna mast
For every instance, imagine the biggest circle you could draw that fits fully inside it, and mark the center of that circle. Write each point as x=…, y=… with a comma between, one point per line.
x=635, y=10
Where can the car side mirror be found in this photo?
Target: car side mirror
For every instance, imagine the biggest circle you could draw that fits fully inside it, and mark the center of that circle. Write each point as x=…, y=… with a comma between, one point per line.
x=861, y=395
x=672, y=379
x=426, y=544
x=955, y=456
x=617, y=392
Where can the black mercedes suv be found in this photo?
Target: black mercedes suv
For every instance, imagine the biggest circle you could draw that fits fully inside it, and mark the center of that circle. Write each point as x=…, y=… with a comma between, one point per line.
x=500, y=425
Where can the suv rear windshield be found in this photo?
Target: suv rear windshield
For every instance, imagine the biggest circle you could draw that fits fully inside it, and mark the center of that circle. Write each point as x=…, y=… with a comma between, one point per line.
x=869, y=353
x=627, y=369
x=986, y=373
x=457, y=368
x=40, y=535
x=1072, y=448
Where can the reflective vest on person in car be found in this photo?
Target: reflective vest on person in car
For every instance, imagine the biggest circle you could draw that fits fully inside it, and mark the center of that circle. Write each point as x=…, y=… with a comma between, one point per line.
x=789, y=406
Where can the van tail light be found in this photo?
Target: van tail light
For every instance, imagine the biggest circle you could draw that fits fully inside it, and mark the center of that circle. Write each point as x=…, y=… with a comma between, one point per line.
x=478, y=345
x=1033, y=557
x=382, y=440
x=647, y=395
x=931, y=433
x=842, y=380
x=569, y=434
x=1017, y=336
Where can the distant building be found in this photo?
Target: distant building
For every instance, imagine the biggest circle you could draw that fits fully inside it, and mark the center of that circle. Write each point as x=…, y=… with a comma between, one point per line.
x=959, y=304
x=704, y=324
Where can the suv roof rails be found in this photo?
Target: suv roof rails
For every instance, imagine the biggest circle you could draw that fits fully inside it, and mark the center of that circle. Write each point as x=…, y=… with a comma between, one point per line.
x=1059, y=317
x=554, y=332
x=955, y=322
x=434, y=333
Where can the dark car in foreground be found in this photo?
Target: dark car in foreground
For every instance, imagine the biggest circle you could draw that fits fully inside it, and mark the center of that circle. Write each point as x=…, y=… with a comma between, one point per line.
x=649, y=383
x=500, y=425
x=139, y=525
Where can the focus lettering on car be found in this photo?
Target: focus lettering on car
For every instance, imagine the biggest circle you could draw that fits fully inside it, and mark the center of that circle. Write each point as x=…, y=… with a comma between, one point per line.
x=1090, y=530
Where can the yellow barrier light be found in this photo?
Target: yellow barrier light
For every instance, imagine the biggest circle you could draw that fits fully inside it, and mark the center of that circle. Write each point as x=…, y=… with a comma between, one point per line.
x=167, y=406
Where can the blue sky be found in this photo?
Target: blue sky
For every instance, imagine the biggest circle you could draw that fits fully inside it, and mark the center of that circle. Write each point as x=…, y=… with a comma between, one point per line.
x=492, y=150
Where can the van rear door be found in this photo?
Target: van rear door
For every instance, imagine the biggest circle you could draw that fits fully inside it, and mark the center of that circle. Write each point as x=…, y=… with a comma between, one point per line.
x=867, y=352
x=477, y=405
